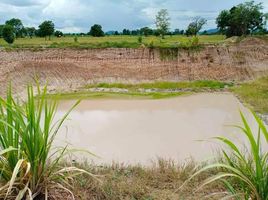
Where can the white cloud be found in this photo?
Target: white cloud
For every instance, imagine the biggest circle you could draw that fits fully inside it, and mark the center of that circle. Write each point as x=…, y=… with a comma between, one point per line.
x=79, y=15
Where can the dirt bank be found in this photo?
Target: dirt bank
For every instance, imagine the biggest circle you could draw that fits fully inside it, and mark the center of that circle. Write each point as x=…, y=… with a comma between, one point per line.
x=70, y=68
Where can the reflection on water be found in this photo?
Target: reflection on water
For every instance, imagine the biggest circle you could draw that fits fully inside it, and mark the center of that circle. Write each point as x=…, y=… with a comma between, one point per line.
x=136, y=131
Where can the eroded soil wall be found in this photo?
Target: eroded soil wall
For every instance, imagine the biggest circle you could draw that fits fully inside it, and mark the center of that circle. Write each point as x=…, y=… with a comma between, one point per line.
x=71, y=68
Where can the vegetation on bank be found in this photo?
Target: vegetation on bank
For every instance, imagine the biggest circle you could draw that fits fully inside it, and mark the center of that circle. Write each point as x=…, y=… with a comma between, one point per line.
x=244, y=172
x=158, y=181
x=114, y=95
x=254, y=93
x=156, y=90
x=29, y=162
x=202, y=84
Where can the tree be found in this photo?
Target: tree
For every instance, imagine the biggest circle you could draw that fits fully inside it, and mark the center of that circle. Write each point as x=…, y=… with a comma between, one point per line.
x=195, y=26
x=126, y=32
x=17, y=26
x=46, y=29
x=30, y=31
x=1, y=29
x=146, y=31
x=58, y=33
x=243, y=19
x=96, y=31
x=8, y=34
x=162, y=22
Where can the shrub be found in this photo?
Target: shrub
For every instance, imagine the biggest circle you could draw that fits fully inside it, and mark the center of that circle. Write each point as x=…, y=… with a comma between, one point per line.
x=244, y=174
x=140, y=39
x=8, y=34
x=75, y=39
x=29, y=167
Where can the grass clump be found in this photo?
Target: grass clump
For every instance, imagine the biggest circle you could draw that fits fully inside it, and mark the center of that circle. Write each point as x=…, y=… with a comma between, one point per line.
x=29, y=165
x=243, y=173
x=114, y=95
x=155, y=182
x=210, y=84
x=254, y=93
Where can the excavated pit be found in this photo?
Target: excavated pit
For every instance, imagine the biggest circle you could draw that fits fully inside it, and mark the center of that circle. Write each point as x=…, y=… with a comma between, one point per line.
x=65, y=69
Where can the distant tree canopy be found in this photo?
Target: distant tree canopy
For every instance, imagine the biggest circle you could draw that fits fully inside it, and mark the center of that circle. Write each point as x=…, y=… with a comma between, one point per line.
x=195, y=26
x=46, y=29
x=17, y=26
x=242, y=19
x=58, y=33
x=30, y=31
x=162, y=22
x=126, y=32
x=96, y=31
x=178, y=32
x=8, y=33
x=1, y=29
x=146, y=31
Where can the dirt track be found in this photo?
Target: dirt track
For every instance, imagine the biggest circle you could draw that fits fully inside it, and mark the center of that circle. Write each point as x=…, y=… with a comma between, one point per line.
x=71, y=68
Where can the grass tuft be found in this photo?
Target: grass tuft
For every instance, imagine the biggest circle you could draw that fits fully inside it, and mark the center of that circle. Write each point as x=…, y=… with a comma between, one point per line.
x=29, y=165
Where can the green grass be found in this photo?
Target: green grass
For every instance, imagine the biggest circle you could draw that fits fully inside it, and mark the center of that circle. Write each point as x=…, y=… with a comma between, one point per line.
x=209, y=84
x=114, y=95
x=29, y=162
x=134, y=93
x=255, y=94
x=243, y=172
x=109, y=41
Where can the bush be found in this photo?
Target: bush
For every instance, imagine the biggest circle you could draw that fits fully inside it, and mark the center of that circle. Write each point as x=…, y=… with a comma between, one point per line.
x=244, y=174
x=8, y=33
x=75, y=39
x=140, y=39
x=27, y=135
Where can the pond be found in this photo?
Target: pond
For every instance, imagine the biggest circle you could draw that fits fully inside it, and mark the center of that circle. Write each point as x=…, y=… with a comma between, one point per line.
x=139, y=131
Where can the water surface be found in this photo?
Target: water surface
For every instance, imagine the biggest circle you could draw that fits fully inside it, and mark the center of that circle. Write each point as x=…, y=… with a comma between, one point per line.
x=138, y=131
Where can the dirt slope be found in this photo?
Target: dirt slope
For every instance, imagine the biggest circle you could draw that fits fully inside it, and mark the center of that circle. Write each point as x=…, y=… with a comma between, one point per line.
x=70, y=68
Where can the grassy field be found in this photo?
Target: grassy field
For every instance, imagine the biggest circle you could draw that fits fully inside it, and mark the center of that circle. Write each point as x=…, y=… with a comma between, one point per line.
x=109, y=41
x=255, y=94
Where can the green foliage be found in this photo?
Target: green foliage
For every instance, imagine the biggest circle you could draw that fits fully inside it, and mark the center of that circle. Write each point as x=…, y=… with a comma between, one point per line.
x=167, y=85
x=1, y=30
x=8, y=34
x=242, y=19
x=254, y=93
x=46, y=29
x=17, y=26
x=27, y=161
x=195, y=26
x=96, y=31
x=146, y=31
x=75, y=39
x=30, y=31
x=58, y=34
x=244, y=174
x=140, y=39
x=162, y=22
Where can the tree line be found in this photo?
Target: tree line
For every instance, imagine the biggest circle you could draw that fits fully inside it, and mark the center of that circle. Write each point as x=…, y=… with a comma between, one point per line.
x=243, y=19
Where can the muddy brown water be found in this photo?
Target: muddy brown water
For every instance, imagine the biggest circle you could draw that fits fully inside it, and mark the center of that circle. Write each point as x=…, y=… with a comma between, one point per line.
x=139, y=131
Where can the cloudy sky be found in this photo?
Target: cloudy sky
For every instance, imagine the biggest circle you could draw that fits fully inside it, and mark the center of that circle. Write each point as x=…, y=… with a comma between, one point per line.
x=79, y=15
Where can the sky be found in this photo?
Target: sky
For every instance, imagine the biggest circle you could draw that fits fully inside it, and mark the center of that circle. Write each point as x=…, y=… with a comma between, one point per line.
x=78, y=15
